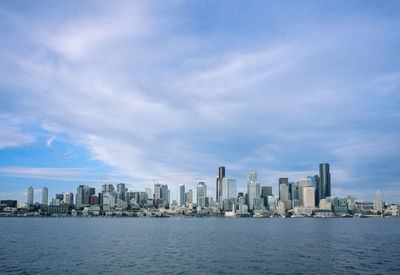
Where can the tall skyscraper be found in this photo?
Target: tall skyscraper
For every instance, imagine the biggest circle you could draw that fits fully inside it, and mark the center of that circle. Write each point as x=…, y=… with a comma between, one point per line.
x=325, y=178
x=201, y=194
x=80, y=195
x=45, y=196
x=221, y=176
x=229, y=189
x=30, y=196
x=302, y=183
x=284, y=191
x=157, y=191
x=149, y=192
x=253, y=189
x=181, y=195
x=164, y=194
x=69, y=198
x=265, y=192
x=121, y=191
x=308, y=196
x=189, y=197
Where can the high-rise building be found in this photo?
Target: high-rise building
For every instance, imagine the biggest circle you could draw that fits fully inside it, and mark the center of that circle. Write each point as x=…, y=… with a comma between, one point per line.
x=253, y=189
x=325, y=178
x=189, y=197
x=201, y=194
x=45, y=196
x=164, y=195
x=149, y=192
x=181, y=195
x=302, y=183
x=378, y=203
x=30, y=196
x=284, y=191
x=294, y=191
x=157, y=191
x=69, y=198
x=308, y=195
x=221, y=176
x=121, y=192
x=229, y=189
x=60, y=197
x=265, y=192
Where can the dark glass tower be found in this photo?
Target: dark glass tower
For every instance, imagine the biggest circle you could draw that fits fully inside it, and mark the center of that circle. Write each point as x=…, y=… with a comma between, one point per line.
x=325, y=179
x=221, y=175
x=265, y=192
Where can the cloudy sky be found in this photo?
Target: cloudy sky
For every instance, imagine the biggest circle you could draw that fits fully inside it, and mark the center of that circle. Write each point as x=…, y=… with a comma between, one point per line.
x=94, y=92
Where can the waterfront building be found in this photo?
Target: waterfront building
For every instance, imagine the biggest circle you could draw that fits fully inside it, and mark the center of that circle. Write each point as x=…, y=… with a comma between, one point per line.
x=281, y=207
x=45, y=196
x=272, y=203
x=295, y=203
x=258, y=204
x=325, y=178
x=265, y=192
x=30, y=196
x=304, y=211
x=339, y=206
x=378, y=203
x=201, y=194
x=221, y=176
x=325, y=205
x=181, y=195
x=253, y=189
x=189, y=197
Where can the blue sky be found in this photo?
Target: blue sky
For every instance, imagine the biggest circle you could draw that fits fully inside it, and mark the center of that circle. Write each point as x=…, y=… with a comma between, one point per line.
x=102, y=92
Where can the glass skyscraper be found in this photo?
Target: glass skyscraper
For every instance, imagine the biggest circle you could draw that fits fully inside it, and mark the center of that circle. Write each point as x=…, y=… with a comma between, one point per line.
x=325, y=178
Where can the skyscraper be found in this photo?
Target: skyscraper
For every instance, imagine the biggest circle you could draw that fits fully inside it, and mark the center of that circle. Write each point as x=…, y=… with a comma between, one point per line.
x=189, y=197
x=30, y=196
x=302, y=183
x=325, y=178
x=80, y=194
x=221, y=176
x=164, y=194
x=69, y=198
x=149, y=192
x=308, y=195
x=265, y=192
x=45, y=196
x=181, y=195
x=284, y=191
x=229, y=188
x=253, y=189
x=201, y=194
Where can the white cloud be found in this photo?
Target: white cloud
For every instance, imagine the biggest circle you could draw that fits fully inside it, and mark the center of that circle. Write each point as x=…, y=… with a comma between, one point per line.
x=50, y=141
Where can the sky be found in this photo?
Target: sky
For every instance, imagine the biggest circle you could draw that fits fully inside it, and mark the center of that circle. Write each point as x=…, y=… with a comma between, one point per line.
x=99, y=92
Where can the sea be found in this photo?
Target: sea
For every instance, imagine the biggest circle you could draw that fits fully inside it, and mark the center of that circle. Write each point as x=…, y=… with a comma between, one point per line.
x=199, y=246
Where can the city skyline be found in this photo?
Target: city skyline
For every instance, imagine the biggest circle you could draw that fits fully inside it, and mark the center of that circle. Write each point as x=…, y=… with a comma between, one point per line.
x=138, y=92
